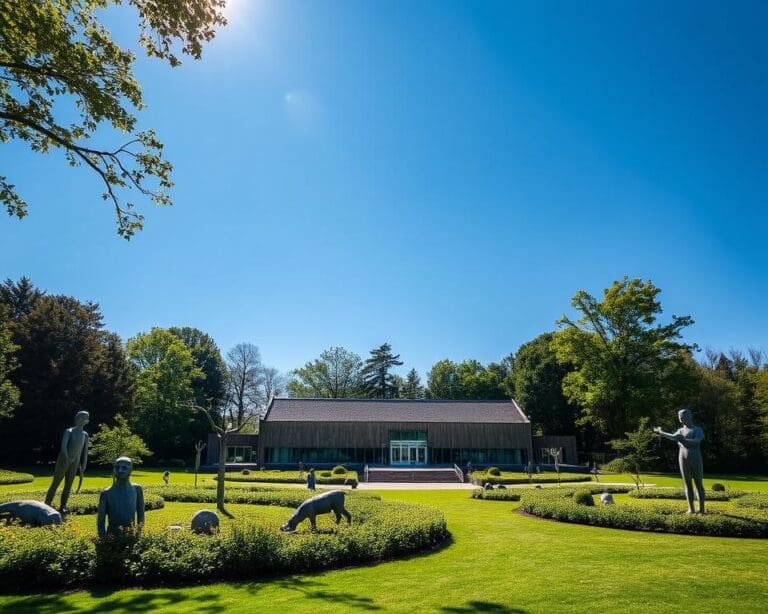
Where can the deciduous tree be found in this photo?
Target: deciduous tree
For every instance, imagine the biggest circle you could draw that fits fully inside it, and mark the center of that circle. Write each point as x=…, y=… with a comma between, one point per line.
x=335, y=375
x=57, y=57
x=110, y=443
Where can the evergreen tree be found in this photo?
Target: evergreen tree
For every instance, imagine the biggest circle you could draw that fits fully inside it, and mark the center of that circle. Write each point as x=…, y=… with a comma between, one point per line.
x=412, y=388
x=9, y=393
x=378, y=382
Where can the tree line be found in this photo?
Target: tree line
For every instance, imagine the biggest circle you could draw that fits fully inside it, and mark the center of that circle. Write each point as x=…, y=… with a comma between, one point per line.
x=56, y=358
x=605, y=368
x=611, y=363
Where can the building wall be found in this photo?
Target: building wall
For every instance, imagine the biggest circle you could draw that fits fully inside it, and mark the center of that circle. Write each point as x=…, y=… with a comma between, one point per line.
x=281, y=434
x=567, y=442
x=235, y=439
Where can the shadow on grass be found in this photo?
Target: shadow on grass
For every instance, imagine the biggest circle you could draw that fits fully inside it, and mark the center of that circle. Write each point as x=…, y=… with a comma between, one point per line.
x=108, y=601
x=483, y=606
x=316, y=590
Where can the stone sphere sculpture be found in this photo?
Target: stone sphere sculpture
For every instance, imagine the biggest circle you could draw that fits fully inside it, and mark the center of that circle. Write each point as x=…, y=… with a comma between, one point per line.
x=206, y=522
x=606, y=498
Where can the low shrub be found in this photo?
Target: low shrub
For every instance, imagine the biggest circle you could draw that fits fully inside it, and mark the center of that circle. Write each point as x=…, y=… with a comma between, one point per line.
x=82, y=503
x=583, y=497
x=718, y=487
x=348, y=478
x=559, y=504
x=14, y=477
x=496, y=495
x=478, y=477
x=494, y=471
x=757, y=500
x=245, y=472
x=679, y=493
x=55, y=558
x=339, y=470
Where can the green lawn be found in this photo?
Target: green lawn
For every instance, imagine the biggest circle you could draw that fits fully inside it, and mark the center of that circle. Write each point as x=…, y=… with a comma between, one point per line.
x=497, y=561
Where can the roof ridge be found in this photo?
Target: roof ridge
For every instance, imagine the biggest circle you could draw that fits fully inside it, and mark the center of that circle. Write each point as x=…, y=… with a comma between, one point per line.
x=369, y=400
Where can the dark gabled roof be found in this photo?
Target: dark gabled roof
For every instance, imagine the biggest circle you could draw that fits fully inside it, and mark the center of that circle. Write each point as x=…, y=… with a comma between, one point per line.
x=394, y=410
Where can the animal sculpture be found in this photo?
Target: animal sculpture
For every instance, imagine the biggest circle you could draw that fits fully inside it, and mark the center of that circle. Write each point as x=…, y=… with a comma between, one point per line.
x=325, y=503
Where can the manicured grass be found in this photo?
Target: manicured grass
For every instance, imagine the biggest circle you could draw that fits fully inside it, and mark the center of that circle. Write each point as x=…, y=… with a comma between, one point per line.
x=498, y=561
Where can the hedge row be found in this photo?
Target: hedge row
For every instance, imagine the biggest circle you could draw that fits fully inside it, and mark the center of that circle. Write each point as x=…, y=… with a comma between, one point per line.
x=322, y=477
x=756, y=500
x=558, y=504
x=284, y=497
x=49, y=559
x=496, y=495
x=82, y=503
x=481, y=478
x=679, y=493
x=14, y=477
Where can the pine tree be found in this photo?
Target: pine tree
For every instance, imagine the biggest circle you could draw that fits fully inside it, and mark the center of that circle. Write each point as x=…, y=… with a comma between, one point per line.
x=412, y=388
x=378, y=382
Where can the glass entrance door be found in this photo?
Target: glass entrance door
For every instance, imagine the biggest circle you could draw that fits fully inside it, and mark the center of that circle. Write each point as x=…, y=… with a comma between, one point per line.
x=408, y=452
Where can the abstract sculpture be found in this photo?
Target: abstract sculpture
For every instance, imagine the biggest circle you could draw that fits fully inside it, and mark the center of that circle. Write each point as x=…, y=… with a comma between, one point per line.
x=321, y=504
x=72, y=459
x=689, y=438
x=122, y=504
x=206, y=522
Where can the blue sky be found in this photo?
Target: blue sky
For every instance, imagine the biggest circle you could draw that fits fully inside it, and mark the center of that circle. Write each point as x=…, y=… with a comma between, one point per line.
x=442, y=176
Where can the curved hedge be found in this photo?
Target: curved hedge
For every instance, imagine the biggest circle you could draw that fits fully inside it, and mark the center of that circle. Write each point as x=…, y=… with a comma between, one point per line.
x=481, y=477
x=82, y=503
x=283, y=497
x=63, y=557
x=679, y=493
x=264, y=477
x=558, y=504
x=14, y=477
x=757, y=500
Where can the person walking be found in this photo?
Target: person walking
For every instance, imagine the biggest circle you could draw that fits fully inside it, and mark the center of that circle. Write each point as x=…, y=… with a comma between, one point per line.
x=311, y=482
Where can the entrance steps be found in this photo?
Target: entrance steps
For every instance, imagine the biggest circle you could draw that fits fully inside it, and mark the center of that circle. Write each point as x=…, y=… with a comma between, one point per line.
x=412, y=474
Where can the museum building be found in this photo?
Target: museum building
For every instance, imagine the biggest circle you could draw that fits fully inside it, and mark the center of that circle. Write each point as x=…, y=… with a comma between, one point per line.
x=393, y=432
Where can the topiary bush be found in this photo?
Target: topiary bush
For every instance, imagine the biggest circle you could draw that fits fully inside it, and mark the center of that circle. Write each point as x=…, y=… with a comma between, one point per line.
x=718, y=487
x=559, y=504
x=339, y=470
x=494, y=471
x=324, y=474
x=583, y=497
x=82, y=503
x=245, y=472
x=54, y=558
x=14, y=477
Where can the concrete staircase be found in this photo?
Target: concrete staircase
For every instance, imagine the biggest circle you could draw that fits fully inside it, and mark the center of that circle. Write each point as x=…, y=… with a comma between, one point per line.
x=411, y=474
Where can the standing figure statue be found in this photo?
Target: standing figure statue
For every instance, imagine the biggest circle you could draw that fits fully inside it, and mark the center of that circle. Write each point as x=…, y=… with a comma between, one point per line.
x=72, y=460
x=198, y=449
x=689, y=438
x=122, y=504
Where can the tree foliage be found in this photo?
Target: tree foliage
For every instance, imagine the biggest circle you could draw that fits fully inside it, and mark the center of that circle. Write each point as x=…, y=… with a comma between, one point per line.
x=165, y=387
x=110, y=443
x=66, y=362
x=637, y=450
x=467, y=380
x=63, y=78
x=9, y=393
x=537, y=382
x=336, y=374
x=626, y=365
x=411, y=387
x=378, y=381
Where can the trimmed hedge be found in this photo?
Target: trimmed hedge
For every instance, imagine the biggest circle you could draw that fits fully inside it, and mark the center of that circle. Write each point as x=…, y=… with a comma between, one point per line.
x=679, y=493
x=50, y=559
x=482, y=477
x=583, y=497
x=290, y=477
x=558, y=504
x=757, y=500
x=496, y=495
x=14, y=477
x=80, y=504
x=284, y=497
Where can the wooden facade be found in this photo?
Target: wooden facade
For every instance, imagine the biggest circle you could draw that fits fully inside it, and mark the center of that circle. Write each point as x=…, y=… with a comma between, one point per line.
x=566, y=442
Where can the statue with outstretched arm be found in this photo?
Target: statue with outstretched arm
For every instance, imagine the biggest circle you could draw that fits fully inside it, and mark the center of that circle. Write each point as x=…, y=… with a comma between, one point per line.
x=72, y=459
x=689, y=438
x=121, y=506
